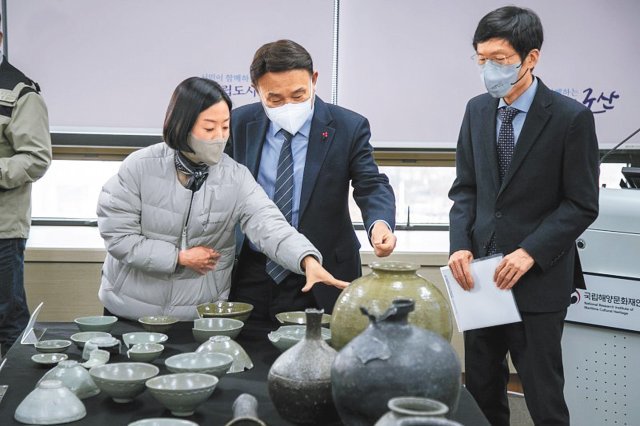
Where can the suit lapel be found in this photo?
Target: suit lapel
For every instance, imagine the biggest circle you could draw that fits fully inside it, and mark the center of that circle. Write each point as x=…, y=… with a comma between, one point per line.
x=320, y=139
x=535, y=121
x=488, y=139
x=256, y=134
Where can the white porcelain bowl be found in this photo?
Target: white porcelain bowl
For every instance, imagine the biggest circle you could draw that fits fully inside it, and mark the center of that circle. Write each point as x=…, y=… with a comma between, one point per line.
x=96, y=323
x=204, y=328
x=136, y=337
x=200, y=362
x=50, y=346
x=123, y=381
x=50, y=403
x=181, y=393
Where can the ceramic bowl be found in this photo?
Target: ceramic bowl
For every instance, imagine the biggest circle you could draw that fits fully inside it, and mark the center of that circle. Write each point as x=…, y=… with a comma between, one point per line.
x=204, y=328
x=288, y=335
x=224, y=344
x=235, y=310
x=143, y=337
x=300, y=318
x=158, y=323
x=48, y=359
x=81, y=338
x=96, y=323
x=74, y=377
x=123, y=381
x=50, y=346
x=145, y=352
x=97, y=357
x=200, y=362
x=109, y=344
x=50, y=403
x=163, y=422
x=181, y=393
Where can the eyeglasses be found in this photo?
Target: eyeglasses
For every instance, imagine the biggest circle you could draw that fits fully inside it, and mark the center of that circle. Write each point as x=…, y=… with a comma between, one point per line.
x=499, y=59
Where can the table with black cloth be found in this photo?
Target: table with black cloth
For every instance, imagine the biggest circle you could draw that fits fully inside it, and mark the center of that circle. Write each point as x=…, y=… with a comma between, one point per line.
x=22, y=374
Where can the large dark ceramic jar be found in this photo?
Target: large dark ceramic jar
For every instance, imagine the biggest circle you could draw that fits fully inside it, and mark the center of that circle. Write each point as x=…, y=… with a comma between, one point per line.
x=376, y=291
x=392, y=358
x=300, y=379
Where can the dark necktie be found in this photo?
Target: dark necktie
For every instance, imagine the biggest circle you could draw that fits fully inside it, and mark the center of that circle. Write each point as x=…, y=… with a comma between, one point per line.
x=283, y=198
x=506, y=145
x=506, y=139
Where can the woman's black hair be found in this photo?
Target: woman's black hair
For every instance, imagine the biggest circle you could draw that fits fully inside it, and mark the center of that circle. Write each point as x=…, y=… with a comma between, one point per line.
x=190, y=98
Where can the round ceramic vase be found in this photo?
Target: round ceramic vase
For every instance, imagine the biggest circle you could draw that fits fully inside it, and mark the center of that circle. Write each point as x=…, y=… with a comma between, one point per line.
x=392, y=358
x=299, y=380
x=416, y=412
x=376, y=291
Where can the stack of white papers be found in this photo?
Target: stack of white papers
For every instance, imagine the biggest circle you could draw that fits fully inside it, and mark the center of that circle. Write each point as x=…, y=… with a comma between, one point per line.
x=485, y=305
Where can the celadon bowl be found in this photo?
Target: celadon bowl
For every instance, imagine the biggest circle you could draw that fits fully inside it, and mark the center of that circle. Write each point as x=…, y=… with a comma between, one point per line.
x=235, y=310
x=288, y=335
x=145, y=352
x=181, y=393
x=96, y=323
x=204, y=328
x=74, y=377
x=163, y=422
x=50, y=403
x=224, y=344
x=200, y=362
x=84, y=336
x=158, y=323
x=50, y=346
x=143, y=337
x=123, y=381
x=299, y=318
x=48, y=359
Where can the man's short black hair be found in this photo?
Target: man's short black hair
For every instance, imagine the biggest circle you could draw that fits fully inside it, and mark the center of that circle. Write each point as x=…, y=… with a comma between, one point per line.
x=190, y=98
x=278, y=56
x=519, y=26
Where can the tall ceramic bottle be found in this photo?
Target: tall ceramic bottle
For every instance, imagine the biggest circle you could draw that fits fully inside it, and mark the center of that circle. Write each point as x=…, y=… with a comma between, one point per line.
x=375, y=291
x=300, y=379
x=392, y=358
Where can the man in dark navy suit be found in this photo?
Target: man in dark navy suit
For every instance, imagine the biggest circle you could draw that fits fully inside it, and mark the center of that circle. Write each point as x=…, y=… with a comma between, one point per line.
x=305, y=153
x=526, y=186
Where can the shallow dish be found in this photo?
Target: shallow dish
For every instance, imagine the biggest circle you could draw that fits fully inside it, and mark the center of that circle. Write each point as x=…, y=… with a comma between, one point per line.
x=224, y=344
x=51, y=346
x=48, y=359
x=181, y=393
x=50, y=403
x=200, y=362
x=235, y=310
x=158, y=323
x=143, y=337
x=204, y=328
x=83, y=337
x=123, y=381
x=145, y=352
x=163, y=422
x=96, y=323
x=300, y=318
x=288, y=335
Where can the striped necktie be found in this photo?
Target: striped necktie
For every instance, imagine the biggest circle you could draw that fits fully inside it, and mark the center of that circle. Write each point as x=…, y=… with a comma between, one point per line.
x=283, y=198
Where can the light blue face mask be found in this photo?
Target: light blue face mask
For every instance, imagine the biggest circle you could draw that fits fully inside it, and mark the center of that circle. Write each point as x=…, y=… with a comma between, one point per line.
x=499, y=79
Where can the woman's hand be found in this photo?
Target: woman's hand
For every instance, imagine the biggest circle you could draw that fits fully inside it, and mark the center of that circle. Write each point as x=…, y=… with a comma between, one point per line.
x=315, y=273
x=200, y=258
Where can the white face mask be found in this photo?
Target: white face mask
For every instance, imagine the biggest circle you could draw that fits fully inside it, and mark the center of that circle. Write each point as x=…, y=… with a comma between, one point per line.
x=291, y=117
x=207, y=151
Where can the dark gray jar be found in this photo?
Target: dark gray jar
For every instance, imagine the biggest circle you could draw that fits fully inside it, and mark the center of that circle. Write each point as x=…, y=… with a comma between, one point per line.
x=393, y=358
x=300, y=379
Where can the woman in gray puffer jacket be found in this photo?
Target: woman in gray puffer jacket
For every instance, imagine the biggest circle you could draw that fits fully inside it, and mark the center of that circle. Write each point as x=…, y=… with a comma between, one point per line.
x=168, y=216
